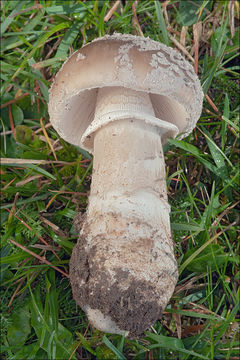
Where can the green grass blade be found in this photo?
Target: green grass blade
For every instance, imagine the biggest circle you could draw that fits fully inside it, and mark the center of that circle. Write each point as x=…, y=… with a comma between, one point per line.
x=217, y=154
x=224, y=123
x=172, y=343
x=39, y=43
x=186, y=227
x=108, y=343
x=161, y=21
x=7, y=22
x=196, y=253
x=222, y=43
x=68, y=39
x=85, y=344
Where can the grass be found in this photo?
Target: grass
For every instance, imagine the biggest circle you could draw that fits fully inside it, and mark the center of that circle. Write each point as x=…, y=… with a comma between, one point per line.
x=45, y=183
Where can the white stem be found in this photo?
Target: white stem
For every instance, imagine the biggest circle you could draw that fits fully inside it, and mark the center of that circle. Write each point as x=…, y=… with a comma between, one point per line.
x=126, y=236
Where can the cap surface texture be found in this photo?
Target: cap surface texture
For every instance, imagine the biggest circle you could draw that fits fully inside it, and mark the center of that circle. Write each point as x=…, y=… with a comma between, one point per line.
x=129, y=61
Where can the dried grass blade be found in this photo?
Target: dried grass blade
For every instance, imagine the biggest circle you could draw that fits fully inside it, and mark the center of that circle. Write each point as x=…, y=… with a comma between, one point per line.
x=39, y=237
x=38, y=257
x=111, y=11
x=47, y=137
x=11, y=121
x=13, y=101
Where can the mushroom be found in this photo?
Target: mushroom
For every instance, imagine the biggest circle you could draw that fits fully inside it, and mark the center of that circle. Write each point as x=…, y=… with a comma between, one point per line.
x=121, y=97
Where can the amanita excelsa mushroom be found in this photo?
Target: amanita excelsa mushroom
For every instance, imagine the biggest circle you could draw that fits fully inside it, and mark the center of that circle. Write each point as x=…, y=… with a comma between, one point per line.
x=121, y=97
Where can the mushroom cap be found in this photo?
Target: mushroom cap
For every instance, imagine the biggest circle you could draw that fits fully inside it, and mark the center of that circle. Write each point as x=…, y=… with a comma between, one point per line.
x=128, y=61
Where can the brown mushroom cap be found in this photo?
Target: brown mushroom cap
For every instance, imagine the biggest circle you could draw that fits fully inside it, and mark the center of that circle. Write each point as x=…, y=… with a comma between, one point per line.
x=128, y=61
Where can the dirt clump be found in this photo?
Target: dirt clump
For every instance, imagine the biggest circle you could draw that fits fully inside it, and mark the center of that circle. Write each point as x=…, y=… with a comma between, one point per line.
x=131, y=307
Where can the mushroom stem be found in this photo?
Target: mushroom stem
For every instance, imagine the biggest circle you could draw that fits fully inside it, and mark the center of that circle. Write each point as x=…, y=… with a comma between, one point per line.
x=125, y=243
